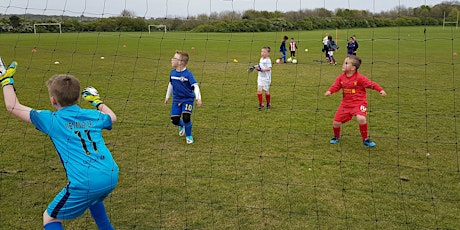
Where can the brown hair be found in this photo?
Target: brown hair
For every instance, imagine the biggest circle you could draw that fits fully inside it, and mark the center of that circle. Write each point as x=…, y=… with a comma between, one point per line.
x=183, y=56
x=65, y=88
x=355, y=61
x=267, y=48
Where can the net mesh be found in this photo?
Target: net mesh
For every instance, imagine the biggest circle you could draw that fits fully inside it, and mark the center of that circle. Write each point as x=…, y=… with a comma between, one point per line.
x=249, y=169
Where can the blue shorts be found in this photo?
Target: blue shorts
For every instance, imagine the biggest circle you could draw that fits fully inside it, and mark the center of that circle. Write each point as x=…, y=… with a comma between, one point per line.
x=178, y=108
x=71, y=203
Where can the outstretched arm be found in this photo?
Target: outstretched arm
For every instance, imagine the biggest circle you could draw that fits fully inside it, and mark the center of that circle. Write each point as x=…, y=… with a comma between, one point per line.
x=334, y=88
x=12, y=103
x=14, y=106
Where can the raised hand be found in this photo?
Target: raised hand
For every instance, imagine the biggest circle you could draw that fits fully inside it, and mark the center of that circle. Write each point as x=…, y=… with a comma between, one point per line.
x=7, y=73
x=91, y=95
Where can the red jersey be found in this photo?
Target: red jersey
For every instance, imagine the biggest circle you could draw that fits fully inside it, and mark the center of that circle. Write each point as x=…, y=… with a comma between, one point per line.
x=354, y=88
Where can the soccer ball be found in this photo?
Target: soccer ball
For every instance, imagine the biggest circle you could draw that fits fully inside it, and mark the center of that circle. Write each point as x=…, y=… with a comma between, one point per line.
x=289, y=59
x=294, y=61
x=278, y=61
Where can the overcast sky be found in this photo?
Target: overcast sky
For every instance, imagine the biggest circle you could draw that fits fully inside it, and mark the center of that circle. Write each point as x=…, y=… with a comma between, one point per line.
x=184, y=8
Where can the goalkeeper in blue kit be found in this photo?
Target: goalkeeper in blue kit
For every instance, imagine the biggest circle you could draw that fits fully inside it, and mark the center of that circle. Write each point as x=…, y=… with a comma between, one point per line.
x=184, y=89
x=76, y=134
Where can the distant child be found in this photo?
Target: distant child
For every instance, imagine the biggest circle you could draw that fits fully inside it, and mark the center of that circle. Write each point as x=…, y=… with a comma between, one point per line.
x=351, y=46
x=325, y=49
x=292, y=47
x=264, y=77
x=356, y=44
x=184, y=88
x=76, y=134
x=283, y=49
x=331, y=47
x=354, y=101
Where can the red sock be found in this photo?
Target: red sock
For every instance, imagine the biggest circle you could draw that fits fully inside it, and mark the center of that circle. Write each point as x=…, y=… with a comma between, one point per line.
x=336, y=131
x=259, y=95
x=363, y=130
x=267, y=98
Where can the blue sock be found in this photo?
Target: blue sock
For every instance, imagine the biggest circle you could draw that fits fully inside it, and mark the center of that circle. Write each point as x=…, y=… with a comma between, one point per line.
x=188, y=128
x=53, y=226
x=181, y=123
x=100, y=217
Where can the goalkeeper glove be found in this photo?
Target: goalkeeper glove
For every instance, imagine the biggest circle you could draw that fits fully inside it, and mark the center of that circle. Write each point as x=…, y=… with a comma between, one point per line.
x=91, y=95
x=7, y=74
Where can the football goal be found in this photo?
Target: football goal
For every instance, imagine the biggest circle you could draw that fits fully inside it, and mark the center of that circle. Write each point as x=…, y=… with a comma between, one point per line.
x=48, y=24
x=445, y=22
x=158, y=27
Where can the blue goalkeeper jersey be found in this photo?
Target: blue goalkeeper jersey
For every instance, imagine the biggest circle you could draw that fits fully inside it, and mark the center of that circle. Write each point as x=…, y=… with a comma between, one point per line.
x=182, y=83
x=76, y=134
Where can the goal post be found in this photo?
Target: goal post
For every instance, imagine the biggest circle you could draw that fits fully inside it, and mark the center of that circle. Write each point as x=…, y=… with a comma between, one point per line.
x=48, y=24
x=158, y=27
x=444, y=22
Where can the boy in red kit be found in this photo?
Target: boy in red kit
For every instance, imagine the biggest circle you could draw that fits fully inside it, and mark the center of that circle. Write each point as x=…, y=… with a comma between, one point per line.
x=354, y=101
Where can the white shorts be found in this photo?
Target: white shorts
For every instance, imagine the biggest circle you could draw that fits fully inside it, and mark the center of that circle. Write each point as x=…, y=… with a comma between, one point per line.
x=264, y=83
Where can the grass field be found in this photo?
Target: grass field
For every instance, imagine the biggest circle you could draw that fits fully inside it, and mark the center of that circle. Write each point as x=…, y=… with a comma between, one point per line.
x=248, y=169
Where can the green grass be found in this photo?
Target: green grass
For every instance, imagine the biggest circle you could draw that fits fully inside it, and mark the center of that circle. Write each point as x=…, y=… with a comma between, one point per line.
x=248, y=169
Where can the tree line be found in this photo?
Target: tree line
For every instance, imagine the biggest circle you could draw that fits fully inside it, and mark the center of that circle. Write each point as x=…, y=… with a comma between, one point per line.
x=248, y=21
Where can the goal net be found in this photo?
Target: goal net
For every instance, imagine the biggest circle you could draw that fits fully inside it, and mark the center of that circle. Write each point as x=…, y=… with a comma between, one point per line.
x=248, y=168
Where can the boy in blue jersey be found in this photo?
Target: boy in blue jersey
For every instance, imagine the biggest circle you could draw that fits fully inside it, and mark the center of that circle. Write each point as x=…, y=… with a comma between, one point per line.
x=356, y=44
x=184, y=88
x=283, y=49
x=76, y=134
x=351, y=45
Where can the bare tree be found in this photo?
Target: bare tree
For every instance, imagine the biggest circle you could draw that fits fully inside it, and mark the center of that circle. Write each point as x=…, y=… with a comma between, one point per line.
x=127, y=13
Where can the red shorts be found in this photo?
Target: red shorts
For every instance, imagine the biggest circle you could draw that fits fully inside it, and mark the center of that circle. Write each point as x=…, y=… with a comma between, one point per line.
x=346, y=113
